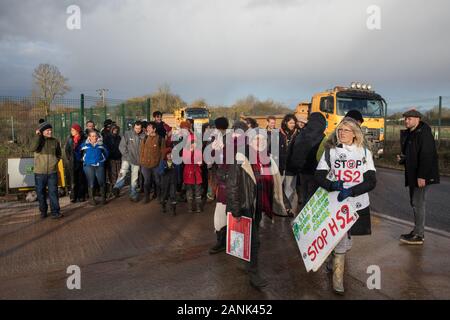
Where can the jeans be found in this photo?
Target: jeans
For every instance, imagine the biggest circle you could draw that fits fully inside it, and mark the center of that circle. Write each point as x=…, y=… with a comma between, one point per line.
x=151, y=176
x=127, y=166
x=93, y=172
x=418, y=204
x=50, y=181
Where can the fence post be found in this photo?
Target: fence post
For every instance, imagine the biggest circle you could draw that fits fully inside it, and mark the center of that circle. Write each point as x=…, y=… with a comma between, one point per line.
x=81, y=117
x=122, y=116
x=385, y=122
x=147, y=108
x=439, y=121
x=62, y=125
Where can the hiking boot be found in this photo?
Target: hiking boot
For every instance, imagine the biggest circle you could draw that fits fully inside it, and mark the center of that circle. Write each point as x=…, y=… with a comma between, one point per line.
x=412, y=239
x=116, y=192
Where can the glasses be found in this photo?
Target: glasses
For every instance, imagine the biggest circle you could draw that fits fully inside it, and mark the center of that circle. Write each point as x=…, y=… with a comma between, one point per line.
x=345, y=131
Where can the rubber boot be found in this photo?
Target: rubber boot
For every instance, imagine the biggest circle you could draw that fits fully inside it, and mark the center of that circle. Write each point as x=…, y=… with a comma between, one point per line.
x=190, y=199
x=221, y=241
x=198, y=205
x=146, y=195
x=91, y=197
x=190, y=205
x=338, y=273
x=103, y=195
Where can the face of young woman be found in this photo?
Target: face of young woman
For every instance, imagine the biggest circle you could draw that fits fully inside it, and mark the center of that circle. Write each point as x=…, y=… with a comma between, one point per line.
x=93, y=137
x=73, y=132
x=346, y=135
x=291, y=124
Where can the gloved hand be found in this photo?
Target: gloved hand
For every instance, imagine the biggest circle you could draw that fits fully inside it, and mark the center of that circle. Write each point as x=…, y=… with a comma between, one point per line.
x=344, y=194
x=337, y=185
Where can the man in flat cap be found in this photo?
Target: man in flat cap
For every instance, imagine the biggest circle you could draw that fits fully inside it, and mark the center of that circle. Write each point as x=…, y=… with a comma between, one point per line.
x=419, y=156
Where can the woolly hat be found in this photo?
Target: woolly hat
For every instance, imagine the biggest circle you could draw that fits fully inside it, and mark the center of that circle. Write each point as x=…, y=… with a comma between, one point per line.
x=77, y=127
x=44, y=126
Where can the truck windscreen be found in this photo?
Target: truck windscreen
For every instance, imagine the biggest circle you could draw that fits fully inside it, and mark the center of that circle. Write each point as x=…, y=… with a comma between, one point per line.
x=196, y=113
x=371, y=108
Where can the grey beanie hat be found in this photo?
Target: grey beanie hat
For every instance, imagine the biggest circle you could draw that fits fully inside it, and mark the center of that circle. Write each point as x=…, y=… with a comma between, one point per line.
x=44, y=126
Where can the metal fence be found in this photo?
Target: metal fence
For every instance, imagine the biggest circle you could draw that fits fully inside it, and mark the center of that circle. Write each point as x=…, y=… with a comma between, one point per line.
x=19, y=119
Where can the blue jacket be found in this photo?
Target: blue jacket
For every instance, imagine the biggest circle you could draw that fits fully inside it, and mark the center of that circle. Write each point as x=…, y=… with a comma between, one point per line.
x=94, y=155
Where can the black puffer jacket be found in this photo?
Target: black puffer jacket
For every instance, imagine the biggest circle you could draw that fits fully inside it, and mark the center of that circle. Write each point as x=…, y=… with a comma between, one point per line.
x=287, y=138
x=302, y=153
x=420, y=155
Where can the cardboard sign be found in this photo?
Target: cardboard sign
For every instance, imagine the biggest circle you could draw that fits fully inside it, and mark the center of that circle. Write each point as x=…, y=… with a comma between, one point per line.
x=319, y=227
x=239, y=235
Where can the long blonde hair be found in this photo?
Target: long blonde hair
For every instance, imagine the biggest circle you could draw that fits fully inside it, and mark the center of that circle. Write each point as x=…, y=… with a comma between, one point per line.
x=359, y=140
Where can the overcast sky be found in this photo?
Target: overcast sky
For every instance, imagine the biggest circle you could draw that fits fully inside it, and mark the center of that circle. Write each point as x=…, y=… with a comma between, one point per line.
x=222, y=50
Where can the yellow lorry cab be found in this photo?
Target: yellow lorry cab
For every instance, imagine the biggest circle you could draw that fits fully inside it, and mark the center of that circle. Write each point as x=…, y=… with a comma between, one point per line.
x=336, y=102
x=200, y=115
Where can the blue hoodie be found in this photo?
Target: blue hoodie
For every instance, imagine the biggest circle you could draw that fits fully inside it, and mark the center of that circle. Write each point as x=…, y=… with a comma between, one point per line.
x=94, y=155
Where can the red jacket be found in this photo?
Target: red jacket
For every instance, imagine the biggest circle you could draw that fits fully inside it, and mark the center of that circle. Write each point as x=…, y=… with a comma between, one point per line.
x=192, y=172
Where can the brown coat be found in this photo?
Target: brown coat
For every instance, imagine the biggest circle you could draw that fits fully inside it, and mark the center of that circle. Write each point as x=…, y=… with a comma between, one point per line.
x=151, y=151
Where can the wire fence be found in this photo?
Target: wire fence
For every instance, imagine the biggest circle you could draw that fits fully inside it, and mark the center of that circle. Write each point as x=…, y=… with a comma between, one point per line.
x=19, y=119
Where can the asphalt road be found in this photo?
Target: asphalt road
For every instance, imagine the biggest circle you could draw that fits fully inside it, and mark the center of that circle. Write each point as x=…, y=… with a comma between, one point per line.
x=391, y=198
x=130, y=250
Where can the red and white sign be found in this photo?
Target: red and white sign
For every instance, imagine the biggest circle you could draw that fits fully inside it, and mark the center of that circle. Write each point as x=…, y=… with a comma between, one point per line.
x=239, y=235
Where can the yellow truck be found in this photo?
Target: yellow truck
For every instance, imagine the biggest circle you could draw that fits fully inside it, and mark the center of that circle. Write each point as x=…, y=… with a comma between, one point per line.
x=200, y=115
x=336, y=102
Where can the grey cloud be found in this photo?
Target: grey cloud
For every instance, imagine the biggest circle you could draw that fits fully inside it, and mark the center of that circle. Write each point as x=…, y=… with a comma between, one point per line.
x=222, y=50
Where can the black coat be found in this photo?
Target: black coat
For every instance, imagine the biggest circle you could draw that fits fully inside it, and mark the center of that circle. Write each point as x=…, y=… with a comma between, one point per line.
x=419, y=155
x=241, y=192
x=302, y=154
x=112, y=143
x=286, y=140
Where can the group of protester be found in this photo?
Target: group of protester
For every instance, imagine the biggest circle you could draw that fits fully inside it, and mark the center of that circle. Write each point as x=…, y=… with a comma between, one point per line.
x=302, y=160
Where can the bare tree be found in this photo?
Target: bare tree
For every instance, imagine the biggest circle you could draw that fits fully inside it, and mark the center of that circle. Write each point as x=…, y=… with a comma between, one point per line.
x=48, y=84
x=200, y=102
